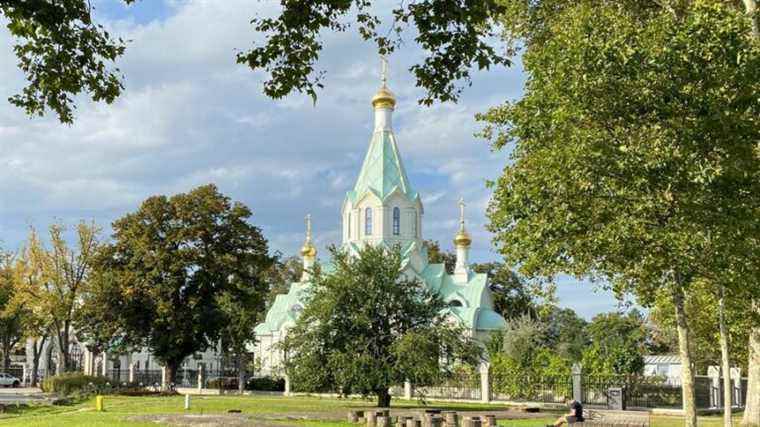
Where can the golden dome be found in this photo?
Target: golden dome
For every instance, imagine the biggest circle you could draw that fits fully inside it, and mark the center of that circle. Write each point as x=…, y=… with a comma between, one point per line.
x=384, y=98
x=462, y=238
x=308, y=250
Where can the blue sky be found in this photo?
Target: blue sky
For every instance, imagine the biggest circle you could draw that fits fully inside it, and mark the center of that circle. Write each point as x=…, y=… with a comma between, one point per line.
x=190, y=116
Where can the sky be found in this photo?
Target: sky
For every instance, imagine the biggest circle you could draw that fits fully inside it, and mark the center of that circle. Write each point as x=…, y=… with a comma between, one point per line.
x=190, y=115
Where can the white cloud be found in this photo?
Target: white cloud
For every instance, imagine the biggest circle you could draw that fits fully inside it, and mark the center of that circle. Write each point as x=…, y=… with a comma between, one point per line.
x=190, y=115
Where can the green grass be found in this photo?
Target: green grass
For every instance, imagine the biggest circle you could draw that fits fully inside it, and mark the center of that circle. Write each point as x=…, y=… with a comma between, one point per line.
x=323, y=412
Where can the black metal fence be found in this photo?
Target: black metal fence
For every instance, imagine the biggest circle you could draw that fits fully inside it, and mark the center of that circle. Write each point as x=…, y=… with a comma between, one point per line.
x=462, y=385
x=531, y=389
x=226, y=379
x=148, y=378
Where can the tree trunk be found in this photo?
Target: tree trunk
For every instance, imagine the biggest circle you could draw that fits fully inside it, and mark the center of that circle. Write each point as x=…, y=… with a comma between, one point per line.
x=171, y=374
x=752, y=408
x=684, y=351
x=751, y=7
x=241, y=372
x=383, y=398
x=725, y=361
x=36, y=354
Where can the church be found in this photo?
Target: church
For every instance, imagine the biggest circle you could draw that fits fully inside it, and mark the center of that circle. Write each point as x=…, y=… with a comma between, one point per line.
x=383, y=208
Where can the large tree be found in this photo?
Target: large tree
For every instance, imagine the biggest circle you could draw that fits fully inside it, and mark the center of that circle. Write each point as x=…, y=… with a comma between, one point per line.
x=635, y=154
x=51, y=280
x=366, y=326
x=178, y=263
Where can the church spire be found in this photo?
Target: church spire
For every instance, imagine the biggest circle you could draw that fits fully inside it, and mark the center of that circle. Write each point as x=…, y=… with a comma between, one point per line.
x=384, y=100
x=462, y=243
x=308, y=251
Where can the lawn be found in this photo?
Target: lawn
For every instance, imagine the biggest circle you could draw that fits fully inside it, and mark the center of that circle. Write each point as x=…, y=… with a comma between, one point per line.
x=274, y=410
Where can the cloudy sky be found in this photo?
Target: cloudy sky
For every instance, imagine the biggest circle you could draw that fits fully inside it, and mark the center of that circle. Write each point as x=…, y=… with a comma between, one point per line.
x=189, y=116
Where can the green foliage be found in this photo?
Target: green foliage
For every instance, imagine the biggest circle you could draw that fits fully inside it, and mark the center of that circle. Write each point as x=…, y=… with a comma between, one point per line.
x=618, y=342
x=454, y=33
x=266, y=384
x=62, y=54
x=521, y=339
x=71, y=383
x=367, y=327
x=187, y=269
x=564, y=331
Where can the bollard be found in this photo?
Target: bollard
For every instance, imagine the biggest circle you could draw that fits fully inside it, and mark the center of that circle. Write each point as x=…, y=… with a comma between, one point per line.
x=450, y=418
x=371, y=418
x=187, y=402
x=99, y=404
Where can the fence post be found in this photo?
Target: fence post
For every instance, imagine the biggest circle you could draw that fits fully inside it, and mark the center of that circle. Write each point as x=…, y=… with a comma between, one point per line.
x=132, y=372
x=201, y=374
x=485, y=382
x=407, y=390
x=287, y=385
x=104, y=370
x=577, y=373
x=736, y=376
x=713, y=372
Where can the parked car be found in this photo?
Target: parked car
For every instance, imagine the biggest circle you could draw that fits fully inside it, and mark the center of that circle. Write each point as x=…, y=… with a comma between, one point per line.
x=8, y=380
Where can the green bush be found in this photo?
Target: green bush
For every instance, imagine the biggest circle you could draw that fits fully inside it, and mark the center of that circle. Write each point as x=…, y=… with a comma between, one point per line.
x=75, y=383
x=266, y=384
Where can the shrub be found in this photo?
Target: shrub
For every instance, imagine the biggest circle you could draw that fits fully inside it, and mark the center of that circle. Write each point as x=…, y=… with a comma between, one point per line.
x=266, y=384
x=75, y=383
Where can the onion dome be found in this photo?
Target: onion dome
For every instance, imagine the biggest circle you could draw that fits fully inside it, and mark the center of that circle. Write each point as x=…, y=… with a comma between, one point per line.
x=462, y=238
x=308, y=250
x=384, y=98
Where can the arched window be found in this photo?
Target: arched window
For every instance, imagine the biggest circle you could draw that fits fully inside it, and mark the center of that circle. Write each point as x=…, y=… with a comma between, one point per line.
x=396, y=221
x=349, y=225
x=368, y=221
x=455, y=303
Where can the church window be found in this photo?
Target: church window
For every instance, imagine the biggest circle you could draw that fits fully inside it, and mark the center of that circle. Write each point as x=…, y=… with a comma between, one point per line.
x=368, y=221
x=396, y=221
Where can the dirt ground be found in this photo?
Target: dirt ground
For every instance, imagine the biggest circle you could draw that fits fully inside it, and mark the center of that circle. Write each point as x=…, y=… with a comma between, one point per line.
x=280, y=420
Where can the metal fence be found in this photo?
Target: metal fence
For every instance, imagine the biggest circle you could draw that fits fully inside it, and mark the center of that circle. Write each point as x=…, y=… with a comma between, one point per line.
x=463, y=385
x=531, y=389
x=148, y=377
x=221, y=379
x=118, y=376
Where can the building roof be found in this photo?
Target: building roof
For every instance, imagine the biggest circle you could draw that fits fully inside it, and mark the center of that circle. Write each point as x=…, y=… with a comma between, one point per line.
x=662, y=359
x=382, y=172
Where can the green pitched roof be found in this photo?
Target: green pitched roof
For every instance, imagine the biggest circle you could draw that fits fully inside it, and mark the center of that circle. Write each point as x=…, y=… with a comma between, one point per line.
x=382, y=171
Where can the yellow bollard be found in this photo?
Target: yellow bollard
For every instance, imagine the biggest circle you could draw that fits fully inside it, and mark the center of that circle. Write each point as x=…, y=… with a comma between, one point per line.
x=99, y=403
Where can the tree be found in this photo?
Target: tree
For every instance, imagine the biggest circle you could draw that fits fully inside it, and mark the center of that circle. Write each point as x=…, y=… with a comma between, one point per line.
x=282, y=273
x=11, y=315
x=617, y=343
x=366, y=326
x=622, y=169
x=564, y=331
x=37, y=321
x=51, y=281
x=242, y=307
x=176, y=262
x=62, y=53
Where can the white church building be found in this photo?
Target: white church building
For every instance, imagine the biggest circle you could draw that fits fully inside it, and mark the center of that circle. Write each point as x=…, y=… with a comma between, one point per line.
x=383, y=208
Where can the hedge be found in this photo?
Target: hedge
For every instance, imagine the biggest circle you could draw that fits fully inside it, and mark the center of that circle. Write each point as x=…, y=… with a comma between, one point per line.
x=74, y=382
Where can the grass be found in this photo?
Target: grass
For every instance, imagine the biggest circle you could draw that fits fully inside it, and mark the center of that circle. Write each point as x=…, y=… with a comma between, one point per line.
x=322, y=412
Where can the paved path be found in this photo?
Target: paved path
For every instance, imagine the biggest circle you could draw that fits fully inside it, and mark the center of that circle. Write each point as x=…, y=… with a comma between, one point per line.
x=20, y=395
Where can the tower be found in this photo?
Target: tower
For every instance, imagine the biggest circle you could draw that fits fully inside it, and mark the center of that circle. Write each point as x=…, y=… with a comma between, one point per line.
x=462, y=243
x=382, y=207
x=308, y=252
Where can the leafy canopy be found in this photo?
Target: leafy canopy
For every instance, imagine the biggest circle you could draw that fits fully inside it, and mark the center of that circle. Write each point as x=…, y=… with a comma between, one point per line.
x=182, y=265
x=367, y=327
